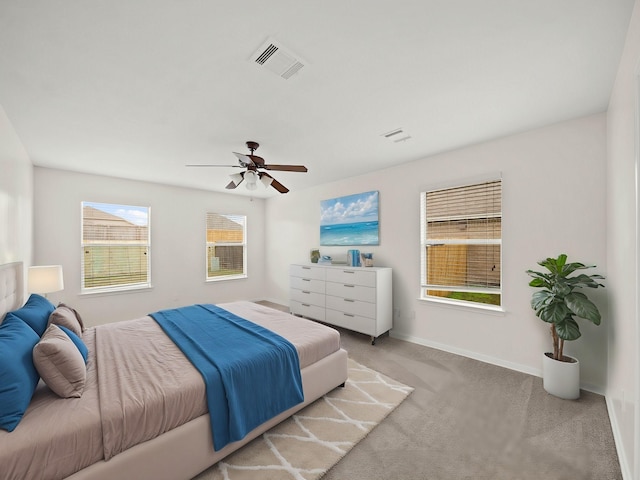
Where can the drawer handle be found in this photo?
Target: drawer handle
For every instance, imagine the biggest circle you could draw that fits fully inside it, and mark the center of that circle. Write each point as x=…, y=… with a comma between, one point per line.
x=349, y=300
x=306, y=291
x=306, y=305
x=349, y=286
x=306, y=268
x=349, y=271
x=306, y=279
x=348, y=315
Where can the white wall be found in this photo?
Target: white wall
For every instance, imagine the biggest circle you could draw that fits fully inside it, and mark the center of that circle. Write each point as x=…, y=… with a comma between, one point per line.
x=16, y=196
x=177, y=242
x=553, y=202
x=622, y=243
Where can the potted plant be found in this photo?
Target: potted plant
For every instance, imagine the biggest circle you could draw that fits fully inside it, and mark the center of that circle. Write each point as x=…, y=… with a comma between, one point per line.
x=558, y=303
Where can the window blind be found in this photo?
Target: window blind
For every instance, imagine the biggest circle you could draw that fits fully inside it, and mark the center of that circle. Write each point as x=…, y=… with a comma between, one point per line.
x=115, y=246
x=461, y=240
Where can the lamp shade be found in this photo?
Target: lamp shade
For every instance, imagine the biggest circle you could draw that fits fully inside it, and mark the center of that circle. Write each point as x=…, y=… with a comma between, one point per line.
x=45, y=279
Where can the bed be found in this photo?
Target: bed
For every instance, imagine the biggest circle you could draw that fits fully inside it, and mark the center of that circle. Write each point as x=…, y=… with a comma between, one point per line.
x=80, y=438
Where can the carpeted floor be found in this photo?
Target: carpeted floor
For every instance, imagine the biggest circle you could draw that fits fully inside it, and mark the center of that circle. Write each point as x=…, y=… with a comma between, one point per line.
x=471, y=420
x=306, y=445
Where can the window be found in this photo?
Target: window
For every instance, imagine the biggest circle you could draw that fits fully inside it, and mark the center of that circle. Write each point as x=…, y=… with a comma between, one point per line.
x=461, y=236
x=226, y=246
x=115, y=247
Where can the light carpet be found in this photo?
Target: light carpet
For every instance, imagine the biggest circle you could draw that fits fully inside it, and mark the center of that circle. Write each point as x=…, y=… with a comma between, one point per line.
x=309, y=443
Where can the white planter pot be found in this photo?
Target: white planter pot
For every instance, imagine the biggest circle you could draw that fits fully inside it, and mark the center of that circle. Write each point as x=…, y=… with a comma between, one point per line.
x=561, y=379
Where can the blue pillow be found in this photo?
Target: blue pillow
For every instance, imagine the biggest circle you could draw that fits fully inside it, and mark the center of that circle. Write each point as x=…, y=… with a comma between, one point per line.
x=36, y=313
x=77, y=341
x=18, y=376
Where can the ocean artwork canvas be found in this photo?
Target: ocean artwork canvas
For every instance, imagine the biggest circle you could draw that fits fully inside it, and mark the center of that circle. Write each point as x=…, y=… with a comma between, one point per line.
x=350, y=220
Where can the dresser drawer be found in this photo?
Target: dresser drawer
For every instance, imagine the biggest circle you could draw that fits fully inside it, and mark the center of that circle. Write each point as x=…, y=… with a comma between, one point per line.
x=307, y=310
x=351, y=291
x=307, y=284
x=352, y=322
x=307, y=271
x=354, y=307
x=351, y=276
x=306, y=296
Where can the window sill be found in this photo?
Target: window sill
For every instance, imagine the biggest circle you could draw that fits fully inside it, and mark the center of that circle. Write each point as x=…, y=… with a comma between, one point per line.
x=479, y=307
x=227, y=277
x=116, y=290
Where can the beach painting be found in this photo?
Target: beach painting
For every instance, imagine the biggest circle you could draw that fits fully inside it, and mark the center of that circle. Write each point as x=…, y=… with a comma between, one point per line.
x=350, y=220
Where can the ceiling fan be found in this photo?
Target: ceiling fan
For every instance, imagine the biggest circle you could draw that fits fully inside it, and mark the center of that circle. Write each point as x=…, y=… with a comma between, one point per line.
x=253, y=165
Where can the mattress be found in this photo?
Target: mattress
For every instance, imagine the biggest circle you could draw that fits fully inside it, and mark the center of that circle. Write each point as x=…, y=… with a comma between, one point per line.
x=139, y=386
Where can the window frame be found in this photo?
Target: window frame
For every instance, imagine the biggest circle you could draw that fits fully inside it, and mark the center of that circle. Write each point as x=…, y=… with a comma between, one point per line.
x=114, y=288
x=232, y=217
x=424, y=242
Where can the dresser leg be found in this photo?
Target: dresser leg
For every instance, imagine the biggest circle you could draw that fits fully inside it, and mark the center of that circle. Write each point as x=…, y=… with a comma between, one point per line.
x=373, y=340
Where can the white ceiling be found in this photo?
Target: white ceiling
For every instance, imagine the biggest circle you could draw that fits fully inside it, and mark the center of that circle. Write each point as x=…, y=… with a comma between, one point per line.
x=139, y=88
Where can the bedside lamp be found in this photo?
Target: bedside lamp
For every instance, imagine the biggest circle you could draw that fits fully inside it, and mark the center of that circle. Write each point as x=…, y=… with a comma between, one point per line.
x=45, y=279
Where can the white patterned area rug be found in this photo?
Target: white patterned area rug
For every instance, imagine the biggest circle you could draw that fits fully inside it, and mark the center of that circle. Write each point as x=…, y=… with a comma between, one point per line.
x=309, y=443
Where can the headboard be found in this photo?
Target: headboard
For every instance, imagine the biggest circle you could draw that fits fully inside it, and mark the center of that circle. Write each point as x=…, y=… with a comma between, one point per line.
x=11, y=287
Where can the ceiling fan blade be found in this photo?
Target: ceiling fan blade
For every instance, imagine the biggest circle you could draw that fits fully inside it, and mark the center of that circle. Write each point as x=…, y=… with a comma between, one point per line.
x=245, y=160
x=231, y=186
x=278, y=186
x=286, y=168
x=273, y=182
x=211, y=165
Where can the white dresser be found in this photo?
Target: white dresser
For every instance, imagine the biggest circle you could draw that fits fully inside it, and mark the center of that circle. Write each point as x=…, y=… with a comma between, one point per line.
x=357, y=298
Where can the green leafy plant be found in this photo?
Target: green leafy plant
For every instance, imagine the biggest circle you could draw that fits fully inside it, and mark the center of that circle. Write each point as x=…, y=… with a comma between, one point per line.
x=558, y=302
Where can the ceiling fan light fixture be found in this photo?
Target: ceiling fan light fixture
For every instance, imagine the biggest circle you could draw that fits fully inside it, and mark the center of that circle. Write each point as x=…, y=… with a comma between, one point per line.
x=236, y=178
x=266, y=181
x=251, y=178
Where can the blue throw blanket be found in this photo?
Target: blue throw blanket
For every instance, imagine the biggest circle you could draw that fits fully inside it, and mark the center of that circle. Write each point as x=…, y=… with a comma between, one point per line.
x=251, y=374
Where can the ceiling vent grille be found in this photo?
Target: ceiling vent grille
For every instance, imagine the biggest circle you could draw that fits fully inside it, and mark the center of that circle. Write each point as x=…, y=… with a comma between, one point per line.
x=398, y=135
x=277, y=60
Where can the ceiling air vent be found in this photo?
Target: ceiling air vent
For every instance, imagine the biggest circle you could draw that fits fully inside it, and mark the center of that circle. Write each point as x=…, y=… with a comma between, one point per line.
x=277, y=59
x=398, y=135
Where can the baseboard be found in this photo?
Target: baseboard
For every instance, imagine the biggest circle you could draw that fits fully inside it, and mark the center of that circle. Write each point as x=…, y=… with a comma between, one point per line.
x=625, y=466
x=536, y=372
